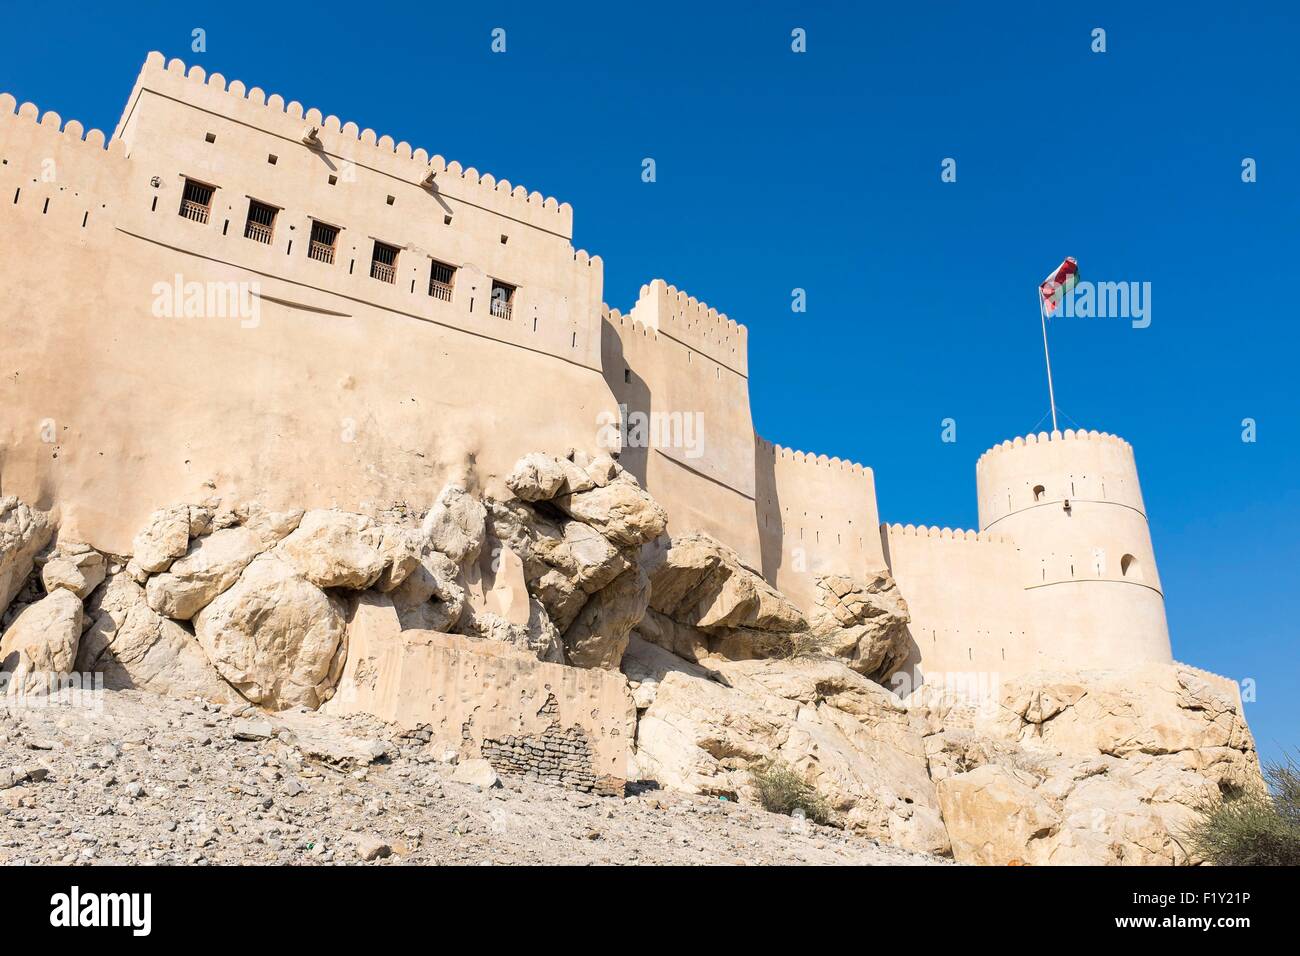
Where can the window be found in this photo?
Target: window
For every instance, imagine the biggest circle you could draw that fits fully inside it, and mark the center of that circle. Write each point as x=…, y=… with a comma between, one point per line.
x=440, y=278
x=323, y=240
x=272, y=158
x=1129, y=568
x=1039, y=492
x=383, y=265
x=261, y=222
x=196, y=201
x=209, y=137
x=503, y=296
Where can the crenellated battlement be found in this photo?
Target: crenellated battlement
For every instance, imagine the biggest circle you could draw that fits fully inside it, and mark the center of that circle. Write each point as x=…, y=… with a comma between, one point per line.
x=947, y=534
x=74, y=132
x=808, y=458
x=685, y=319
x=347, y=141
x=1057, y=436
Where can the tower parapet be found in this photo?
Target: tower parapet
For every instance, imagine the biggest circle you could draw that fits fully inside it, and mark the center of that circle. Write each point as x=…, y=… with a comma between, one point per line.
x=1073, y=504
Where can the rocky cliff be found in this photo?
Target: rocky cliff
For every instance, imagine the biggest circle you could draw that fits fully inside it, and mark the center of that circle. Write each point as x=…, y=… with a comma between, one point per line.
x=562, y=636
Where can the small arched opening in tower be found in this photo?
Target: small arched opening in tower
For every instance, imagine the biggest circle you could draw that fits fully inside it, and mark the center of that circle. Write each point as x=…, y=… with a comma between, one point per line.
x=1129, y=567
x=1039, y=492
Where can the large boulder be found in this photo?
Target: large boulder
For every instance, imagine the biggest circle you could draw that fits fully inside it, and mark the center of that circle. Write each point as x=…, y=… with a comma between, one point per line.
x=541, y=477
x=564, y=561
x=431, y=598
x=164, y=539
x=601, y=632
x=701, y=582
x=536, y=477
x=1154, y=710
x=853, y=740
x=455, y=525
x=336, y=549
x=863, y=622
x=995, y=816
x=706, y=603
x=24, y=532
x=275, y=636
x=212, y=564
x=133, y=646
x=76, y=567
x=41, y=643
x=621, y=510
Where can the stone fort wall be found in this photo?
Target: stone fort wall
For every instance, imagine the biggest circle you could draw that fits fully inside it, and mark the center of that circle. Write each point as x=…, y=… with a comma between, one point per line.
x=1061, y=572
x=337, y=389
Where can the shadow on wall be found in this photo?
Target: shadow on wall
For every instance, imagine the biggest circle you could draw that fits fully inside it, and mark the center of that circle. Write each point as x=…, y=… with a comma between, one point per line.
x=910, y=674
x=767, y=510
x=631, y=391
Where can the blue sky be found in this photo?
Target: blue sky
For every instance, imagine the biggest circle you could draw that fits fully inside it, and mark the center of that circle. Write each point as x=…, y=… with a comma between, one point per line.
x=821, y=171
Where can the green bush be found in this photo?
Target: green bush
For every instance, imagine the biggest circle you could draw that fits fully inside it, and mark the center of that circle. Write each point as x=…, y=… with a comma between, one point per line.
x=782, y=789
x=1253, y=827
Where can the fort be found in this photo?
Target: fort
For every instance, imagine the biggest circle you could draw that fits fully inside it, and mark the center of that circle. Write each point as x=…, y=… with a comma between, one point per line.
x=420, y=321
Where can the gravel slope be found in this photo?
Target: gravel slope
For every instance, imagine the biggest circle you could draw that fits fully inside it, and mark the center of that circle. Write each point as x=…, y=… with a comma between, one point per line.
x=145, y=779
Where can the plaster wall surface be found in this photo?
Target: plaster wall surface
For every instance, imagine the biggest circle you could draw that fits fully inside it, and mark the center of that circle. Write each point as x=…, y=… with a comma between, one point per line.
x=1062, y=571
x=314, y=386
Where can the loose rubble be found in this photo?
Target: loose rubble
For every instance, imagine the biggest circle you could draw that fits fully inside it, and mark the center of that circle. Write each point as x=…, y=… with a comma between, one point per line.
x=152, y=780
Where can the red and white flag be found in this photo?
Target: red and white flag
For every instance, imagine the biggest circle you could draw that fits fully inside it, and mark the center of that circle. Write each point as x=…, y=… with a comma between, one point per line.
x=1061, y=281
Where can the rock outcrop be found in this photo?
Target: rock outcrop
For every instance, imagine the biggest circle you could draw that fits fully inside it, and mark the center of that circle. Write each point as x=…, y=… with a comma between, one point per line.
x=706, y=603
x=1089, y=768
x=274, y=636
x=134, y=646
x=41, y=643
x=24, y=531
x=684, y=666
x=853, y=740
x=863, y=622
x=76, y=567
x=576, y=527
x=600, y=635
x=210, y=565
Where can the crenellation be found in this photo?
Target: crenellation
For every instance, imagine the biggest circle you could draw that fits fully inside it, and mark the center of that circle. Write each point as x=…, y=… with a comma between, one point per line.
x=386, y=154
x=72, y=130
x=1043, y=438
x=949, y=534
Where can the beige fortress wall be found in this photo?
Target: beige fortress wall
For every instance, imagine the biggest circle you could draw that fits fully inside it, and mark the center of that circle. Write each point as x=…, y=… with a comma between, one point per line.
x=674, y=356
x=791, y=516
x=967, y=604
x=1092, y=591
x=817, y=516
x=344, y=390
x=1038, y=586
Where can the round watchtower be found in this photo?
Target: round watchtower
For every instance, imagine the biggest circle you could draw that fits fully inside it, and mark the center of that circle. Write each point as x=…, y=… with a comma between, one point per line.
x=1072, y=504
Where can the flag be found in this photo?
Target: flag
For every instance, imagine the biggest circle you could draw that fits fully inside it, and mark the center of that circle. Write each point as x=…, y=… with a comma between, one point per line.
x=1061, y=281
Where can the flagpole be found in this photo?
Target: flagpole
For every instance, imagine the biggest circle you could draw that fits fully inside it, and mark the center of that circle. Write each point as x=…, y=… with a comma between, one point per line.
x=1051, y=392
